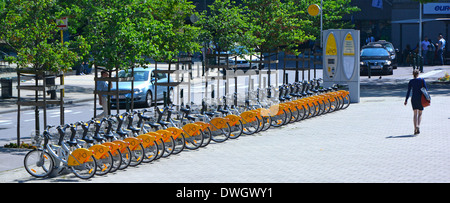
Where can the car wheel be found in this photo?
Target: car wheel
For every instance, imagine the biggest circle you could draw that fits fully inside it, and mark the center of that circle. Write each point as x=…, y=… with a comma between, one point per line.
x=149, y=99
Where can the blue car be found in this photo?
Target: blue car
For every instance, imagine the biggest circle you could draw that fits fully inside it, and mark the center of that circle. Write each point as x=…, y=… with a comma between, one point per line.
x=144, y=87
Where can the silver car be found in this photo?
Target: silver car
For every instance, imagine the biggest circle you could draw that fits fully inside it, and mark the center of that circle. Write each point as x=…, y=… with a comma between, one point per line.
x=144, y=87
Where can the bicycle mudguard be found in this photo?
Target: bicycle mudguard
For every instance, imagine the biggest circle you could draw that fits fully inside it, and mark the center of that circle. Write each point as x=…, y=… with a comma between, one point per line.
x=99, y=150
x=264, y=112
x=165, y=134
x=219, y=122
x=248, y=116
x=175, y=132
x=134, y=142
x=79, y=156
x=276, y=109
x=122, y=145
x=191, y=129
x=232, y=119
x=202, y=125
x=147, y=140
x=156, y=135
x=113, y=147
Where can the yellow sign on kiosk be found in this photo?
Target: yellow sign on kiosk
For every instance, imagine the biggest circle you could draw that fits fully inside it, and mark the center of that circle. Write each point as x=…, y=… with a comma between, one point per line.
x=331, y=55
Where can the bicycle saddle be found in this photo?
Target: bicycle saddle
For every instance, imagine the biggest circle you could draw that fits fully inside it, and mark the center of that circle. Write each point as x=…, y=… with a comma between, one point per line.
x=164, y=123
x=121, y=133
x=190, y=117
x=223, y=111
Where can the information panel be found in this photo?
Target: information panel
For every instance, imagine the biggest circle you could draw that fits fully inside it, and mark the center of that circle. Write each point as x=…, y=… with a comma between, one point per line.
x=341, y=60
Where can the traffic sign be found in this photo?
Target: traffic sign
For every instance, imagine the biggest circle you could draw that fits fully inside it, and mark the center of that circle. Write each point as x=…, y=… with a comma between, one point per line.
x=62, y=23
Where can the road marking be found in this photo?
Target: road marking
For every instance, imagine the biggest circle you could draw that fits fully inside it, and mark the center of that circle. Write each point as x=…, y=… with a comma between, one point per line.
x=431, y=73
x=5, y=122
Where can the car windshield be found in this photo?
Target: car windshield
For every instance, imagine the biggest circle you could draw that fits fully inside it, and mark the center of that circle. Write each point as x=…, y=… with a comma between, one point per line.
x=374, y=52
x=138, y=75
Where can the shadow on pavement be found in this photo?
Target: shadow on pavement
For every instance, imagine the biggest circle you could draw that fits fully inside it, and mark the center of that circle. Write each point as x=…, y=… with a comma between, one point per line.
x=401, y=136
x=399, y=90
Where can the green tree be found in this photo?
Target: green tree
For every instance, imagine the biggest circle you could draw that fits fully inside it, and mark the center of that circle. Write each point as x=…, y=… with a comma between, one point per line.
x=276, y=26
x=118, y=32
x=122, y=33
x=29, y=28
x=333, y=11
x=227, y=27
x=175, y=34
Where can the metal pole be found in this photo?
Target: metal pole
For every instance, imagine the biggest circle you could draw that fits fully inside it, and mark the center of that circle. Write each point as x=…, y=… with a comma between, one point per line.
x=420, y=29
x=321, y=22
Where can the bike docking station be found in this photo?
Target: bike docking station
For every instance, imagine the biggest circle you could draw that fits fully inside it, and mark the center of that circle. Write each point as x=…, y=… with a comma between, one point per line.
x=341, y=60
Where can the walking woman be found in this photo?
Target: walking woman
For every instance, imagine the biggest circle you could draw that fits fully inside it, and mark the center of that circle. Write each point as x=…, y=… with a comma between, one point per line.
x=416, y=84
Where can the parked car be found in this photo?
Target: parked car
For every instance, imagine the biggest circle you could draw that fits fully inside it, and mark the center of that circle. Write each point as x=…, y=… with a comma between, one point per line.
x=244, y=62
x=390, y=47
x=377, y=58
x=144, y=87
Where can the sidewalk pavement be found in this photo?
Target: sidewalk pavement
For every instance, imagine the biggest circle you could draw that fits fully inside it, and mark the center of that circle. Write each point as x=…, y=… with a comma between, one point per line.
x=371, y=141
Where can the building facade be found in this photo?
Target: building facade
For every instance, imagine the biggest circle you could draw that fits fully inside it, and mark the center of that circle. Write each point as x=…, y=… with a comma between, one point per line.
x=397, y=21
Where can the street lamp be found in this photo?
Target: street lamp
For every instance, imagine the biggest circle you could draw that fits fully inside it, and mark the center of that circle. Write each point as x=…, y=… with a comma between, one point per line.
x=314, y=10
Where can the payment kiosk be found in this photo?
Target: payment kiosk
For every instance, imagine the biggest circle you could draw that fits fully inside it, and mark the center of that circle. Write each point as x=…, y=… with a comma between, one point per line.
x=341, y=60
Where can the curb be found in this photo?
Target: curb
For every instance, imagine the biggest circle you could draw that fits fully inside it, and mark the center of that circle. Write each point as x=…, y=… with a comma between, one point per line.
x=49, y=105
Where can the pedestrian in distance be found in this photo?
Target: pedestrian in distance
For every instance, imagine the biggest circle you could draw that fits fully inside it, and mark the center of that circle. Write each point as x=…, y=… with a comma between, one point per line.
x=440, y=48
x=425, y=44
x=415, y=85
x=103, y=99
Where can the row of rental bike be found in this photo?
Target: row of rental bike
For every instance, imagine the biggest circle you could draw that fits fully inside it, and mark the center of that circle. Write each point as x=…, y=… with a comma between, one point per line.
x=113, y=143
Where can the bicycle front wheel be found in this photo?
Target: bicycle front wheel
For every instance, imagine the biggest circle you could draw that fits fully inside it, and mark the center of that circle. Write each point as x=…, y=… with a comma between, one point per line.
x=38, y=163
x=86, y=170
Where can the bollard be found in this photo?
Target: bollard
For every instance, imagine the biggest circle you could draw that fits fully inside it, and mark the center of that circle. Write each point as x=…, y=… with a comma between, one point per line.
x=6, y=87
x=127, y=104
x=165, y=98
x=420, y=63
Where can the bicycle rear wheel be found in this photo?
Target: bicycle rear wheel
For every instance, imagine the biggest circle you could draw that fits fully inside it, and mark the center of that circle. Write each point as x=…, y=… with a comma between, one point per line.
x=206, y=136
x=194, y=141
x=222, y=134
x=117, y=160
x=249, y=128
x=38, y=163
x=104, y=164
x=151, y=152
x=86, y=170
x=346, y=100
x=237, y=130
x=179, y=144
x=279, y=120
x=161, y=148
x=169, y=146
x=126, y=158
x=137, y=155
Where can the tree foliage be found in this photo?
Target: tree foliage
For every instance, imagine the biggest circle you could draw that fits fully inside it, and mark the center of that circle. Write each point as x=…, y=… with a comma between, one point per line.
x=29, y=28
x=121, y=33
x=276, y=26
x=227, y=28
x=333, y=11
x=176, y=34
